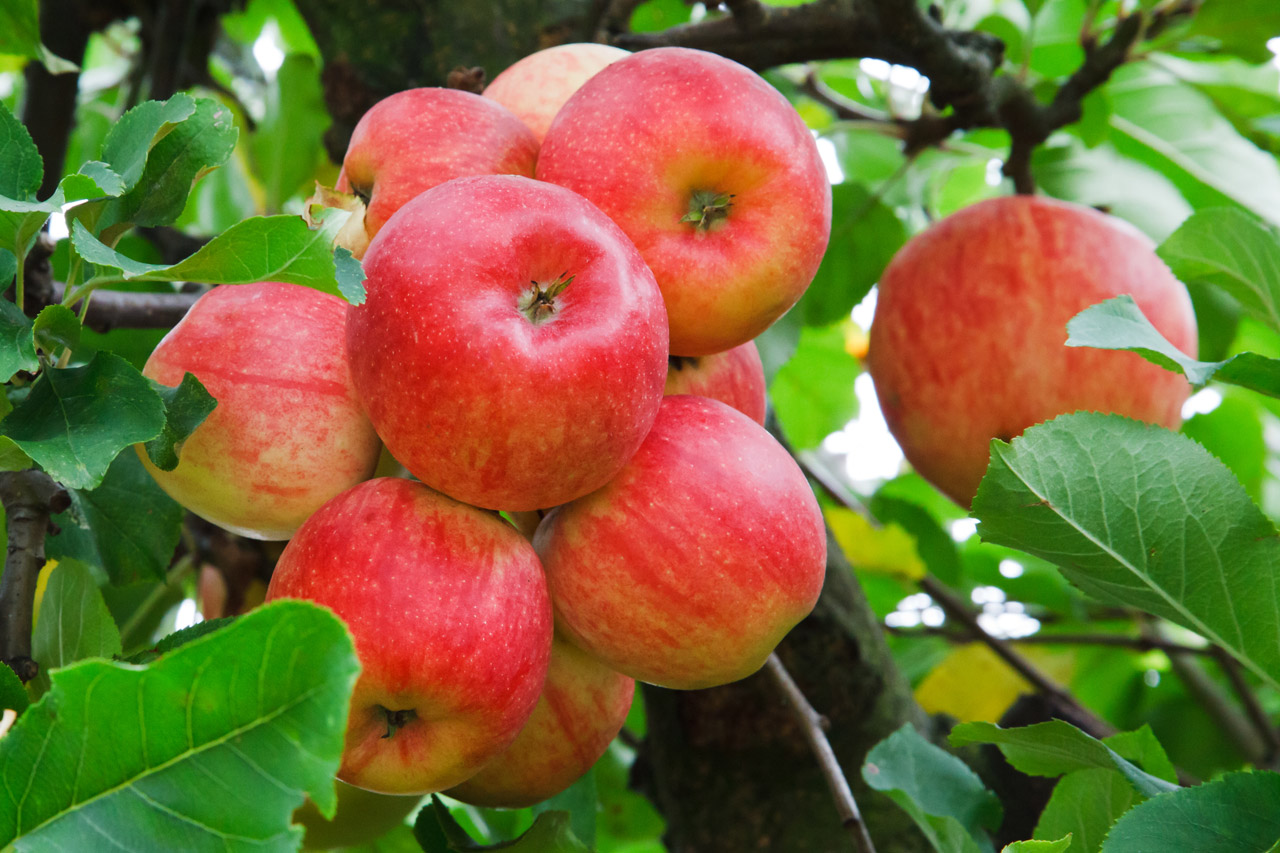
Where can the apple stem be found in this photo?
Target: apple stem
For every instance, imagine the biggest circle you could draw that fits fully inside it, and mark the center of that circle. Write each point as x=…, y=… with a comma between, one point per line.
x=539, y=302
x=398, y=719
x=708, y=207
x=680, y=362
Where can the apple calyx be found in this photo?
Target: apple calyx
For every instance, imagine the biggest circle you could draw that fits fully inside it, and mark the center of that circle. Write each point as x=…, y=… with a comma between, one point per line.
x=397, y=719
x=680, y=362
x=708, y=207
x=539, y=302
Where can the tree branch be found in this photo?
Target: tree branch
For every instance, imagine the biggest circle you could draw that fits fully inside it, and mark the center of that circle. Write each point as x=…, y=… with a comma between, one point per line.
x=1140, y=644
x=1257, y=715
x=119, y=309
x=814, y=726
x=29, y=498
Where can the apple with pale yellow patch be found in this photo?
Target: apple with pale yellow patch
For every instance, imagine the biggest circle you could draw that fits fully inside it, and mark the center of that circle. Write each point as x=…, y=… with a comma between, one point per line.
x=448, y=608
x=536, y=87
x=288, y=432
x=734, y=377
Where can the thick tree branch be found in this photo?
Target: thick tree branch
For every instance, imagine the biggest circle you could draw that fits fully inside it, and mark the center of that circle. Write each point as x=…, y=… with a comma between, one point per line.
x=813, y=725
x=29, y=498
x=118, y=309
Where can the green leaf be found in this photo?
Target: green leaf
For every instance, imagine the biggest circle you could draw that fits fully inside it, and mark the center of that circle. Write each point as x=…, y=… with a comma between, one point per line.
x=1139, y=516
x=261, y=248
x=1055, y=748
x=1233, y=432
x=131, y=139
x=179, y=638
x=930, y=783
x=21, y=168
x=11, y=456
x=74, y=622
x=19, y=28
x=56, y=327
x=1039, y=846
x=294, y=112
x=1085, y=803
x=189, y=148
x=1119, y=324
x=8, y=267
x=185, y=408
x=1178, y=131
x=438, y=832
x=1234, y=814
x=1232, y=250
x=13, y=696
x=581, y=802
x=865, y=234
x=1241, y=27
x=127, y=526
x=813, y=392
x=17, y=346
x=211, y=747
x=75, y=420
x=1056, y=50
x=350, y=275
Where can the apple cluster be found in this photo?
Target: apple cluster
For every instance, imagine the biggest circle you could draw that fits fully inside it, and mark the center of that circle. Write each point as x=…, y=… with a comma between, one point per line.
x=564, y=278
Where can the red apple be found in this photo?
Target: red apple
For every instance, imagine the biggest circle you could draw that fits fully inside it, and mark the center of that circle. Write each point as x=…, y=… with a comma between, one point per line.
x=690, y=566
x=582, y=709
x=448, y=609
x=513, y=346
x=968, y=338
x=734, y=377
x=536, y=87
x=713, y=176
x=413, y=140
x=288, y=432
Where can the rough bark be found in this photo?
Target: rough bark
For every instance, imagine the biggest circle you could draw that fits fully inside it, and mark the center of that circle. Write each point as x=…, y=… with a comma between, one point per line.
x=729, y=767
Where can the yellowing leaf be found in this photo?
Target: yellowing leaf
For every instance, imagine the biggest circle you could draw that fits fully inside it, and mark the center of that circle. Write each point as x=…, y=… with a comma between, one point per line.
x=42, y=581
x=972, y=684
x=887, y=550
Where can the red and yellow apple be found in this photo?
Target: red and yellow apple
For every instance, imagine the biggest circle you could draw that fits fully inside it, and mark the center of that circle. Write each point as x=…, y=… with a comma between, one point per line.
x=582, y=708
x=288, y=432
x=447, y=605
x=714, y=177
x=419, y=138
x=968, y=339
x=536, y=87
x=734, y=377
x=689, y=567
x=513, y=346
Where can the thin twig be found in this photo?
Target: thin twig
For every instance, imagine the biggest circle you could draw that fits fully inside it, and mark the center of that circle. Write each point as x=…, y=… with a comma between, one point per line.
x=1253, y=708
x=1141, y=644
x=813, y=725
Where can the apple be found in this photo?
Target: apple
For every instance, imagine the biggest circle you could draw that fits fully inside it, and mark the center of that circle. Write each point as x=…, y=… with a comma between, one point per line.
x=714, y=177
x=734, y=377
x=513, y=346
x=448, y=609
x=361, y=816
x=967, y=343
x=536, y=87
x=689, y=567
x=582, y=709
x=288, y=432
x=415, y=139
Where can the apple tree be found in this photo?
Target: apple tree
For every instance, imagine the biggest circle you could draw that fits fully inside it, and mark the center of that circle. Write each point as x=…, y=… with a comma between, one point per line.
x=1086, y=658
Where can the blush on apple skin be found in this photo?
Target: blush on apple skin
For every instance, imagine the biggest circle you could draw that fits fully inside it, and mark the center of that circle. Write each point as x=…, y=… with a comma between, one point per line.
x=414, y=140
x=734, y=377
x=650, y=132
x=536, y=87
x=582, y=708
x=448, y=609
x=689, y=567
x=288, y=432
x=968, y=340
x=472, y=396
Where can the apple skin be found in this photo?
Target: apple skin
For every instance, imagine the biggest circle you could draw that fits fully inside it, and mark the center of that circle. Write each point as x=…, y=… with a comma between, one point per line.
x=481, y=402
x=288, y=432
x=582, y=708
x=645, y=134
x=536, y=87
x=967, y=343
x=361, y=816
x=734, y=377
x=448, y=609
x=689, y=567
x=416, y=139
